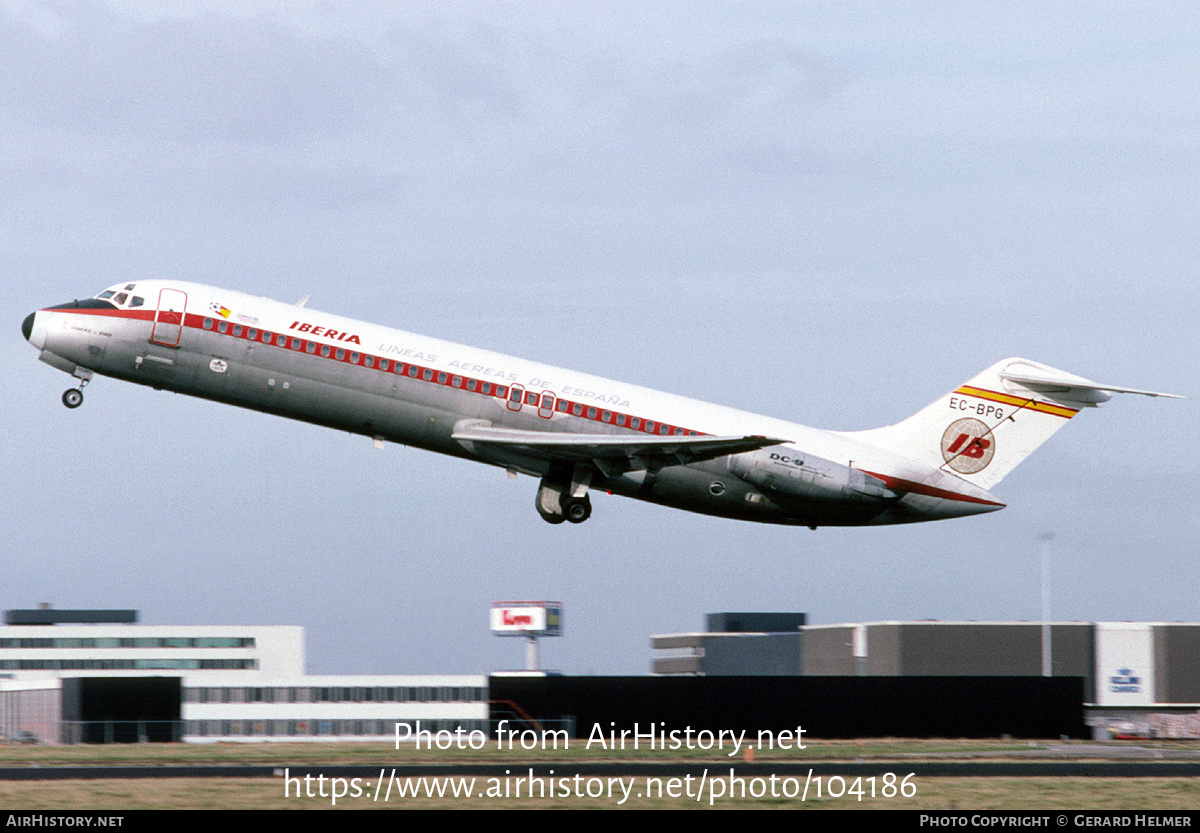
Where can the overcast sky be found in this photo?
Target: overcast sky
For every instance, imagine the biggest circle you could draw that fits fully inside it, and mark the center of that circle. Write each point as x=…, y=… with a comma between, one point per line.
x=826, y=212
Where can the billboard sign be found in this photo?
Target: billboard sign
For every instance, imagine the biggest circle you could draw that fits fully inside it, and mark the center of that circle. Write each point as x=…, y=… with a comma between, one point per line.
x=527, y=618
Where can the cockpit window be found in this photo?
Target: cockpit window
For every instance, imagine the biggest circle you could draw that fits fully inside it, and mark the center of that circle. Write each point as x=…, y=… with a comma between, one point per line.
x=129, y=286
x=121, y=297
x=136, y=301
x=108, y=293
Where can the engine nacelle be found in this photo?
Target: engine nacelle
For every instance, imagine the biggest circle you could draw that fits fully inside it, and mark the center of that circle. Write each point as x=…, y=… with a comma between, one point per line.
x=793, y=474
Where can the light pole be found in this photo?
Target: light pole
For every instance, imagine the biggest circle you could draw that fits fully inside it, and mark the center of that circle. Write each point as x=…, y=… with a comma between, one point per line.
x=1047, y=539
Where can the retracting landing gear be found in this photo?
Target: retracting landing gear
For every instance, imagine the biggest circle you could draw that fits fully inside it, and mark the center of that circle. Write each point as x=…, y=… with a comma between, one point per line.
x=562, y=495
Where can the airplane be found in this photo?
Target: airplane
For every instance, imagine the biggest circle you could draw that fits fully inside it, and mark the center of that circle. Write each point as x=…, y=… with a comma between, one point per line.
x=573, y=431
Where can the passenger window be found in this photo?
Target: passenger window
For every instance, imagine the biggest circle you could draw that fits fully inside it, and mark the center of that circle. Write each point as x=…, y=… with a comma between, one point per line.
x=456, y=382
x=354, y=357
x=281, y=340
x=208, y=322
x=621, y=419
x=427, y=375
x=441, y=378
x=471, y=384
x=577, y=409
x=369, y=361
x=341, y=354
x=383, y=365
x=531, y=398
x=326, y=350
x=310, y=347
x=413, y=371
x=237, y=329
x=252, y=334
x=222, y=326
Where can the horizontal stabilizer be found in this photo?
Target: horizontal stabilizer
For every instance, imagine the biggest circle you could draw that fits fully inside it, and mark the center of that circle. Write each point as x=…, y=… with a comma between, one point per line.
x=1069, y=387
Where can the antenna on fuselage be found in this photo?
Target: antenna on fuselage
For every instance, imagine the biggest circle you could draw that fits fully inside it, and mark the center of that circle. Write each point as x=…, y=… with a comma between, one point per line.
x=302, y=301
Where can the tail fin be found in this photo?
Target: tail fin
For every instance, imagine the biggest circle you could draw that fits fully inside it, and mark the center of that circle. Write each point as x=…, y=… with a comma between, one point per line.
x=981, y=430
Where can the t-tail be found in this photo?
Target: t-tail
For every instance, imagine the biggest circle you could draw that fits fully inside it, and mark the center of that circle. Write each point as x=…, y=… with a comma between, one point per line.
x=981, y=430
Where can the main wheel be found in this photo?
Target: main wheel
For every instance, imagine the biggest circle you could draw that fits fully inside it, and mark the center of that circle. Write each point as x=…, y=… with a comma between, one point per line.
x=72, y=398
x=548, y=506
x=578, y=511
x=550, y=517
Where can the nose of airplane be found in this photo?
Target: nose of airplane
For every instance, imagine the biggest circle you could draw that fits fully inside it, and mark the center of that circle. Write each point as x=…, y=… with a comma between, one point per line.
x=27, y=325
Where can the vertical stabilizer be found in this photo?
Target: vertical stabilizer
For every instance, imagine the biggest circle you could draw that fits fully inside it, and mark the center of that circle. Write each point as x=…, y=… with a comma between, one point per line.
x=981, y=430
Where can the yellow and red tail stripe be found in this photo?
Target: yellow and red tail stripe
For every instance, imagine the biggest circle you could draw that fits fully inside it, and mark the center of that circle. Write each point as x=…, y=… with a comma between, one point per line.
x=1019, y=401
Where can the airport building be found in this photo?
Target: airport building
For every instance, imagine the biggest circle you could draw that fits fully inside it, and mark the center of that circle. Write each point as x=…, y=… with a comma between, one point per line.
x=95, y=676
x=1129, y=669
x=61, y=683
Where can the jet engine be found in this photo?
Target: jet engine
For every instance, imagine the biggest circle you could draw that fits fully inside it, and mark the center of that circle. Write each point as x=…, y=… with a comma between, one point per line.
x=791, y=473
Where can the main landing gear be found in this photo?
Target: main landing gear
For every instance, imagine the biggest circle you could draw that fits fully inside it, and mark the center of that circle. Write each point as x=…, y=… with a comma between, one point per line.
x=562, y=496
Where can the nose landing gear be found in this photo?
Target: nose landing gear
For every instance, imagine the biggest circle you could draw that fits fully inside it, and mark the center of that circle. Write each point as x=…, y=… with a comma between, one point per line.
x=73, y=397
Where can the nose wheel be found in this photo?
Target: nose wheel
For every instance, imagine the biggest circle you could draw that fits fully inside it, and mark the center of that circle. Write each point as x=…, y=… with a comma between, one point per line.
x=73, y=397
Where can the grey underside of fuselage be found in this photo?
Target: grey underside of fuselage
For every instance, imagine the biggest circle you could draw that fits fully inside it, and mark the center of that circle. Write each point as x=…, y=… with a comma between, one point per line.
x=413, y=412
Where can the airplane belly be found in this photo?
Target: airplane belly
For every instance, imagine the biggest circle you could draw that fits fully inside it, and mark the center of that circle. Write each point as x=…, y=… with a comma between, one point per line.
x=710, y=489
x=327, y=394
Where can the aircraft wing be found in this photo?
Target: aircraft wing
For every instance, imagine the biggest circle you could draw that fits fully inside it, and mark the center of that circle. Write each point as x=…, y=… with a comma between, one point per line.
x=611, y=453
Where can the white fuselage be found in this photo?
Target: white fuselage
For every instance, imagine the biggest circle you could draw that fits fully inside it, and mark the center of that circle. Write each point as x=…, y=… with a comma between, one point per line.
x=401, y=387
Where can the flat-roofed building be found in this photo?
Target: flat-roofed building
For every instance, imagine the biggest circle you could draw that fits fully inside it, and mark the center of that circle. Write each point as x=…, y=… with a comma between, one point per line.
x=232, y=683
